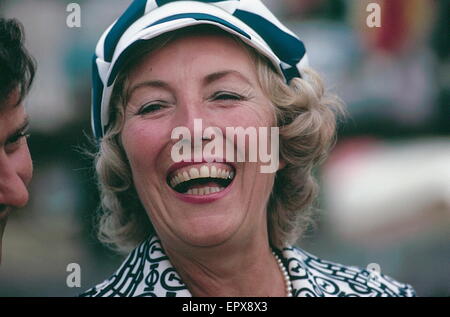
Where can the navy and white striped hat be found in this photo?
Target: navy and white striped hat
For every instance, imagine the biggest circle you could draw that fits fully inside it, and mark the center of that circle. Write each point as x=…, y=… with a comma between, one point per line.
x=249, y=20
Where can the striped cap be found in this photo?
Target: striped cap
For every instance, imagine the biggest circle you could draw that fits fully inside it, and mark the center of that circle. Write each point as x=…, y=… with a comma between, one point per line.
x=249, y=20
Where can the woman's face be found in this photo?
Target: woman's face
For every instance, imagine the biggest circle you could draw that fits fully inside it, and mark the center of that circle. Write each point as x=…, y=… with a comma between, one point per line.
x=207, y=77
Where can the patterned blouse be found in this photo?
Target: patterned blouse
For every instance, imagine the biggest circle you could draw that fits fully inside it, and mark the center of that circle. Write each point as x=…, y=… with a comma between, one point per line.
x=147, y=272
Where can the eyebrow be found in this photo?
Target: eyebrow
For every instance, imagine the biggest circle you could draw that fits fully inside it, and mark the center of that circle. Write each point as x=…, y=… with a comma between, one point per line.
x=207, y=80
x=148, y=83
x=221, y=74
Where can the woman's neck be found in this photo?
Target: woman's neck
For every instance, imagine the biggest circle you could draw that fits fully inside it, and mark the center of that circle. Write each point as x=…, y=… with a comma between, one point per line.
x=245, y=270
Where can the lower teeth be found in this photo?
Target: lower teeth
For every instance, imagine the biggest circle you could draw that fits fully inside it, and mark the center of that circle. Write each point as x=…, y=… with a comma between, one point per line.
x=204, y=190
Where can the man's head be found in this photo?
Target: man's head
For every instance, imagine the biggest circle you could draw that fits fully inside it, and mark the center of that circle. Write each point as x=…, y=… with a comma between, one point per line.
x=17, y=70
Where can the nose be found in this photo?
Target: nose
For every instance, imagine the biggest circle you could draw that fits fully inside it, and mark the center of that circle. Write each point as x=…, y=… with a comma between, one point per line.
x=13, y=190
x=194, y=116
x=188, y=115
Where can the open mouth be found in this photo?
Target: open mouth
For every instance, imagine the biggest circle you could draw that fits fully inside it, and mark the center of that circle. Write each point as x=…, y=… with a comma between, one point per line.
x=201, y=179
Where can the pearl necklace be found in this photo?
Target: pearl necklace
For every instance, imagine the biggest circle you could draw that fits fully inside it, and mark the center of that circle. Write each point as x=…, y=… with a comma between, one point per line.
x=285, y=275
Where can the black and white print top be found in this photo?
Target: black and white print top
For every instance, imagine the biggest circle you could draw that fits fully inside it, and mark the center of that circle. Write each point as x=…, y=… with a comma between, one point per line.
x=147, y=272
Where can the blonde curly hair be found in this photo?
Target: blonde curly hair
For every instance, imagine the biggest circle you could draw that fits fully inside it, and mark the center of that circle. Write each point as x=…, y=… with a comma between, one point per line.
x=305, y=114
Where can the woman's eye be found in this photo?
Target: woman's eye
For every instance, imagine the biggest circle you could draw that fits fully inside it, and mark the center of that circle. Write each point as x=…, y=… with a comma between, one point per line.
x=150, y=108
x=227, y=96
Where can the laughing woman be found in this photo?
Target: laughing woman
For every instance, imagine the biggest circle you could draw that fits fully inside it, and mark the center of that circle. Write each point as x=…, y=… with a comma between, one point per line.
x=214, y=227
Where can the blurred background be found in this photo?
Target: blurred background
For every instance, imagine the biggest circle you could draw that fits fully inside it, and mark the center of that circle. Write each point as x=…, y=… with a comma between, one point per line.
x=385, y=188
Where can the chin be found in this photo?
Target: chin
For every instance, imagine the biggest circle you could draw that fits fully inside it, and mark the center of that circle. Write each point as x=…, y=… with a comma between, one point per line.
x=208, y=234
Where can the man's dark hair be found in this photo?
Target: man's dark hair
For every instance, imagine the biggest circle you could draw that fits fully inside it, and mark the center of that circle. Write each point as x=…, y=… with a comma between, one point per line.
x=17, y=67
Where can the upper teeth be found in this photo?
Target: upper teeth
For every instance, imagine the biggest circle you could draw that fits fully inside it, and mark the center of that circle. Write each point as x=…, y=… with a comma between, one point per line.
x=200, y=171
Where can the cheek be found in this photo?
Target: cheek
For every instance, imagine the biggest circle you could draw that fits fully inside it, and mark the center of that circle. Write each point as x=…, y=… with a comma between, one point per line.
x=142, y=143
